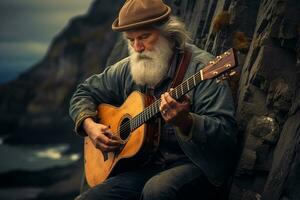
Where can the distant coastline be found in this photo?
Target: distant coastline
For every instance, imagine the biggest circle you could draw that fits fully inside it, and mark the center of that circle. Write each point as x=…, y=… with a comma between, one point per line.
x=10, y=75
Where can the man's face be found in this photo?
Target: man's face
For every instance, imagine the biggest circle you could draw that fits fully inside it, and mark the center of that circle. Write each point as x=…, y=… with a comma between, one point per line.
x=150, y=53
x=143, y=39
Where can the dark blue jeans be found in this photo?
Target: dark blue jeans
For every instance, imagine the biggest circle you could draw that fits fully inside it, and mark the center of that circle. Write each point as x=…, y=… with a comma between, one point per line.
x=176, y=180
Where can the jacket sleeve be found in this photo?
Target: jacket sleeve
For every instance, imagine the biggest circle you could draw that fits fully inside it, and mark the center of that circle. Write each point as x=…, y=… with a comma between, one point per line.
x=213, y=110
x=101, y=88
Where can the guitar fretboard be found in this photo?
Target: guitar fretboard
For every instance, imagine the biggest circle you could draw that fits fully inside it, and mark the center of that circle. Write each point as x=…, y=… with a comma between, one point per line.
x=153, y=109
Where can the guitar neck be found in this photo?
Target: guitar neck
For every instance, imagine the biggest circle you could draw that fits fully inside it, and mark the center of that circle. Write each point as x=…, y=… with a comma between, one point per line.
x=176, y=93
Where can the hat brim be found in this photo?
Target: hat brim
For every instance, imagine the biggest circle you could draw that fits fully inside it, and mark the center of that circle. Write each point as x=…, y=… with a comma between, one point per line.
x=115, y=26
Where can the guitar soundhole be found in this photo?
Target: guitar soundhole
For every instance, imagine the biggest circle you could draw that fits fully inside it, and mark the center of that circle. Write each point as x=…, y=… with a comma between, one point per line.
x=125, y=129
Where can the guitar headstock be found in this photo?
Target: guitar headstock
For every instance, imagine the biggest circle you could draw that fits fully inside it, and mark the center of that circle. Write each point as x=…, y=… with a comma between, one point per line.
x=221, y=67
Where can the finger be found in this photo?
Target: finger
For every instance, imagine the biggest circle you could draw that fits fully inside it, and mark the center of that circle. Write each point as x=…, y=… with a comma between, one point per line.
x=163, y=100
x=108, y=133
x=171, y=89
x=163, y=105
x=103, y=146
x=170, y=101
x=112, y=135
x=106, y=148
x=112, y=142
x=104, y=129
x=103, y=139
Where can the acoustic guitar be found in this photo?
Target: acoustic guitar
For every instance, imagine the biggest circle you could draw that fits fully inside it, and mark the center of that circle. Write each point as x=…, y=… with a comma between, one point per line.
x=136, y=123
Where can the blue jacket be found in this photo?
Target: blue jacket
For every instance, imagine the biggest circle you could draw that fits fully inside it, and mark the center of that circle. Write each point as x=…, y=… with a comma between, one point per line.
x=211, y=143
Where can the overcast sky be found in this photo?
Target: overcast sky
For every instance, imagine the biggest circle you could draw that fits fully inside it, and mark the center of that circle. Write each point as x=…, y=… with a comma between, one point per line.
x=27, y=28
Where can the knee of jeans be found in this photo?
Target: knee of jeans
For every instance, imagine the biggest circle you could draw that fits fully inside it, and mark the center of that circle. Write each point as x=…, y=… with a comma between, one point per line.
x=155, y=188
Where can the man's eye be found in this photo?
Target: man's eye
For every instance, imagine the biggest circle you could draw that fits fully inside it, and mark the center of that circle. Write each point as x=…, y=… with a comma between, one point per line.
x=145, y=36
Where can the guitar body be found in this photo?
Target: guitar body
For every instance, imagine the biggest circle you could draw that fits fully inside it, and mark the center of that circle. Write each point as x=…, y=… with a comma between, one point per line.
x=141, y=142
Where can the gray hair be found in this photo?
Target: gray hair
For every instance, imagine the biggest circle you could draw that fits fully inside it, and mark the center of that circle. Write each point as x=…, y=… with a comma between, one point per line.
x=175, y=31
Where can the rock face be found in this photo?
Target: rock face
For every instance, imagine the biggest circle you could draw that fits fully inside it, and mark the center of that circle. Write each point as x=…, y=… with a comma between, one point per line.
x=266, y=37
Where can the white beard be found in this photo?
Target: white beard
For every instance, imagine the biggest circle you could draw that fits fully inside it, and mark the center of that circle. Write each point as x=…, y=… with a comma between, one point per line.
x=149, y=67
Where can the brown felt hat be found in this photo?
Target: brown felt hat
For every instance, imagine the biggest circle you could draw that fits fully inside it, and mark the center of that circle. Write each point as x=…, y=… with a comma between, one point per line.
x=139, y=13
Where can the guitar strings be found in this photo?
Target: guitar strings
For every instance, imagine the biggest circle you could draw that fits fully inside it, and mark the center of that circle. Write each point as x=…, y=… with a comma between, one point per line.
x=139, y=119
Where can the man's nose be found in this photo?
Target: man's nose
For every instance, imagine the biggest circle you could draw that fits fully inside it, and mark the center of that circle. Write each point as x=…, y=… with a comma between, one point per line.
x=138, y=46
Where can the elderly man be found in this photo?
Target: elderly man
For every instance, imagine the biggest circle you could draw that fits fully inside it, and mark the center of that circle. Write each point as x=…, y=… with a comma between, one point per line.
x=197, y=145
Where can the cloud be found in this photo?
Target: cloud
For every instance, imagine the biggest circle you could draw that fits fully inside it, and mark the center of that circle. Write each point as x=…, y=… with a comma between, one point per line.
x=41, y=21
x=22, y=49
x=46, y=4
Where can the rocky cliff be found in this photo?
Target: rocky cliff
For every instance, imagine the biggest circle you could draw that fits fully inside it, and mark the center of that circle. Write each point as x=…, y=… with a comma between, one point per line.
x=266, y=36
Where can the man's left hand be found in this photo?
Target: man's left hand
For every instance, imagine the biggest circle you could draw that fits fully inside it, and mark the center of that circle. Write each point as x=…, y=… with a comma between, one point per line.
x=176, y=113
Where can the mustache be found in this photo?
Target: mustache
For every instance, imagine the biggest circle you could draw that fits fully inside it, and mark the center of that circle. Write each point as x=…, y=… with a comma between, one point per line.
x=143, y=55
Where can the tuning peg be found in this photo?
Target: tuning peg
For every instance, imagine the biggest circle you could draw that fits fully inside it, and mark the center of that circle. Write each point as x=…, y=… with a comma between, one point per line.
x=232, y=72
x=224, y=77
x=218, y=80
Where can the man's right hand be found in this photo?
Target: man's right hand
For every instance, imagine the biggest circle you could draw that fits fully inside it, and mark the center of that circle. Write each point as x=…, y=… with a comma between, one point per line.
x=101, y=136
